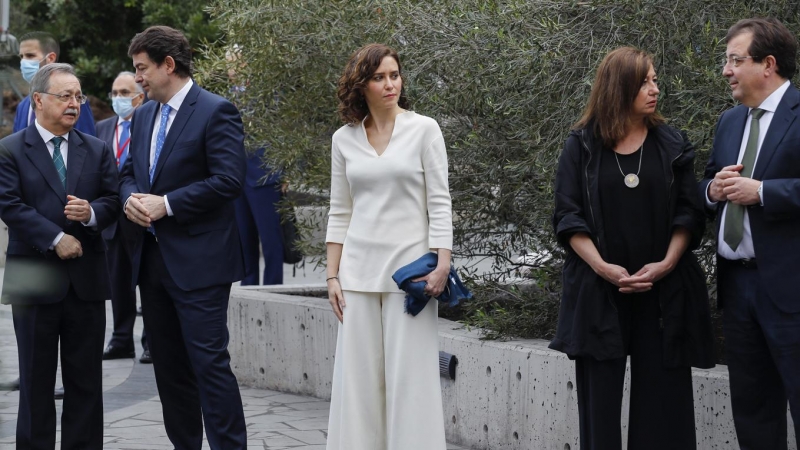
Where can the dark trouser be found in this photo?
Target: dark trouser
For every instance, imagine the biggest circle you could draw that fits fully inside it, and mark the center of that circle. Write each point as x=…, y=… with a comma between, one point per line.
x=123, y=297
x=258, y=219
x=762, y=345
x=80, y=326
x=661, y=403
x=188, y=336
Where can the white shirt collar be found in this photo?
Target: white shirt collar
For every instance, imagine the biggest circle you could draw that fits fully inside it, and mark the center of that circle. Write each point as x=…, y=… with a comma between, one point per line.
x=770, y=104
x=177, y=100
x=46, y=135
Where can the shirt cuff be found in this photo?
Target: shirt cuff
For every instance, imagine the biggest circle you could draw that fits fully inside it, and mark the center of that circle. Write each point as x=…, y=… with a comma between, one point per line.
x=92, y=220
x=166, y=205
x=57, y=240
x=761, y=193
x=709, y=203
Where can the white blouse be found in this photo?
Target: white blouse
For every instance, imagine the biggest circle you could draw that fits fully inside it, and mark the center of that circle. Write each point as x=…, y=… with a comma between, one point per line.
x=388, y=210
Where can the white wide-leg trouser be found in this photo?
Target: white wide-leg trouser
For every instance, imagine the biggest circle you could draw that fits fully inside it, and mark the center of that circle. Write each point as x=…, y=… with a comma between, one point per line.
x=386, y=393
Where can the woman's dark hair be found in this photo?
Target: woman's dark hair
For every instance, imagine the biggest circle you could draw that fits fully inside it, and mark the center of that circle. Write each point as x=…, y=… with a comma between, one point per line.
x=616, y=85
x=359, y=69
x=159, y=42
x=770, y=37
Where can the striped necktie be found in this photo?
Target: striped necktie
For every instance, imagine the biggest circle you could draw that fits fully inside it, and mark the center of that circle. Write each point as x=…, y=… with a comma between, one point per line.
x=58, y=160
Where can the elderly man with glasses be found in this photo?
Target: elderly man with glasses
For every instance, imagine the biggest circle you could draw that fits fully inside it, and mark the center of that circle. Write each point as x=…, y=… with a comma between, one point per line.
x=126, y=96
x=58, y=190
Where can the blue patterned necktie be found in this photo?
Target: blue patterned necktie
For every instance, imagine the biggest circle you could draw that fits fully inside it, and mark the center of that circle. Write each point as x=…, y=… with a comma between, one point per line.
x=124, y=136
x=162, y=134
x=58, y=160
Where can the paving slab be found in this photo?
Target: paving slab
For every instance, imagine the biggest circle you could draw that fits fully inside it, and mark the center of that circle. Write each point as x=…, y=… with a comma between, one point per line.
x=132, y=412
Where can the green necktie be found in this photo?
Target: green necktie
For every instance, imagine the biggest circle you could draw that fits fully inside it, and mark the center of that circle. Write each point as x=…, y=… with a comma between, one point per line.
x=734, y=217
x=58, y=160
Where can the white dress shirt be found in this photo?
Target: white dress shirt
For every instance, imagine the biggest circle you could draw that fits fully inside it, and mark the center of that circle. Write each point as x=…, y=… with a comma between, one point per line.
x=47, y=137
x=745, y=249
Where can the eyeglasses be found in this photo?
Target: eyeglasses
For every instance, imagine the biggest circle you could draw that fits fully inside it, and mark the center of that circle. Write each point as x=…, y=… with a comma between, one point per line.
x=736, y=61
x=64, y=98
x=121, y=93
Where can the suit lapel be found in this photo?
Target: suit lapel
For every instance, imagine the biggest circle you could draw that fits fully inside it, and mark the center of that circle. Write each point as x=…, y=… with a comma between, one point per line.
x=781, y=122
x=141, y=134
x=181, y=119
x=37, y=153
x=733, y=140
x=75, y=157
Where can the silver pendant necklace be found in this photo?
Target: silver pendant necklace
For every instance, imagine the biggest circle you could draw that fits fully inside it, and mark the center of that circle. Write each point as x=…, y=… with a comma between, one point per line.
x=632, y=179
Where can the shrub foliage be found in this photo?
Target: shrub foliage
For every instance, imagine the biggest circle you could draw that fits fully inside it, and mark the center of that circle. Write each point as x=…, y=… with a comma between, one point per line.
x=505, y=79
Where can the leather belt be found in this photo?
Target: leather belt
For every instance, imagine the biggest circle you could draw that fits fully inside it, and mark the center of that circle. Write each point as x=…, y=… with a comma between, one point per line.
x=747, y=263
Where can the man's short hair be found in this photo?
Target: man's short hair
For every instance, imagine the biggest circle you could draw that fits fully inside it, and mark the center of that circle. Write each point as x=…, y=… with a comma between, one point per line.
x=770, y=37
x=139, y=89
x=161, y=41
x=47, y=43
x=41, y=81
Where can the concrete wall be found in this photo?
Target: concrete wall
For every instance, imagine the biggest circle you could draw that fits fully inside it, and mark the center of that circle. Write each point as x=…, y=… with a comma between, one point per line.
x=507, y=395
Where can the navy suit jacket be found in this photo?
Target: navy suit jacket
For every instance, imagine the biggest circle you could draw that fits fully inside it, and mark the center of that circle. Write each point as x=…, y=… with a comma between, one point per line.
x=201, y=170
x=85, y=119
x=776, y=225
x=32, y=201
x=258, y=174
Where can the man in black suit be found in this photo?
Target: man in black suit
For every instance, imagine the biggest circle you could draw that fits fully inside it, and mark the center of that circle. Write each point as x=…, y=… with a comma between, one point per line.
x=58, y=190
x=752, y=183
x=186, y=168
x=126, y=95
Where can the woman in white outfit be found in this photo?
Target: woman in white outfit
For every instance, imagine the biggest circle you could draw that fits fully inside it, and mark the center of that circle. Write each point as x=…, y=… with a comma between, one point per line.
x=390, y=203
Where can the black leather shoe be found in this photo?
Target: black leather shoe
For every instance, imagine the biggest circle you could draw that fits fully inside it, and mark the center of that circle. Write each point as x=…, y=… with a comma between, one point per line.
x=145, y=358
x=58, y=394
x=12, y=385
x=117, y=352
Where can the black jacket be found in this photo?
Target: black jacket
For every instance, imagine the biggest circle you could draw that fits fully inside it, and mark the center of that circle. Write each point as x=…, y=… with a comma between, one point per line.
x=588, y=323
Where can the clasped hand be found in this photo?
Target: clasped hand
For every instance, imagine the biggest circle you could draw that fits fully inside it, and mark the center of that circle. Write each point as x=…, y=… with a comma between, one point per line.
x=144, y=209
x=68, y=247
x=435, y=281
x=77, y=209
x=641, y=281
x=729, y=185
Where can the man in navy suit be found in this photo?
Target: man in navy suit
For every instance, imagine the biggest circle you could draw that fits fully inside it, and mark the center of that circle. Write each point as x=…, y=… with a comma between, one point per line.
x=58, y=190
x=259, y=220
x=186, y=167
x=752, y=183
x=126, y=95
x=38, y=49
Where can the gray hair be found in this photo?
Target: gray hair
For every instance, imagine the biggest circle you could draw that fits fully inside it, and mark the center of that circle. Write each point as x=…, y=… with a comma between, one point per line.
x=139, y=89
x=41, y=81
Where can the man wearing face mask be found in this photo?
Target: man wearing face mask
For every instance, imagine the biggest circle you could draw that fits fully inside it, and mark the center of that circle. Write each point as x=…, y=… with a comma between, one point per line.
x=38, y=49
x=126, y=95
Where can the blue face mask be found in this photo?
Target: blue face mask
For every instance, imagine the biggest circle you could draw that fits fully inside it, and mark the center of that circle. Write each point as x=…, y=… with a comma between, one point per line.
x=123, y=106
x=28, y=67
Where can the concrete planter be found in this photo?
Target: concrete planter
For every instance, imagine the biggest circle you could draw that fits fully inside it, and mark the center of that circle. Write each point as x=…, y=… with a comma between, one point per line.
x=507, y=395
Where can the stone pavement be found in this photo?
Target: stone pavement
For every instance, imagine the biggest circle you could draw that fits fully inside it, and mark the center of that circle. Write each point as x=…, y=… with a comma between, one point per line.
x=133, y=418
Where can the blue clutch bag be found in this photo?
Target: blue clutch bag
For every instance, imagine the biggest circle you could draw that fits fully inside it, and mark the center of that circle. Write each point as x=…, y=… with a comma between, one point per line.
x=416, y=299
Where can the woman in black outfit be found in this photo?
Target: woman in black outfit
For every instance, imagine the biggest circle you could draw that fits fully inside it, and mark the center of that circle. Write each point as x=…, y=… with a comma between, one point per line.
x=628, y=213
